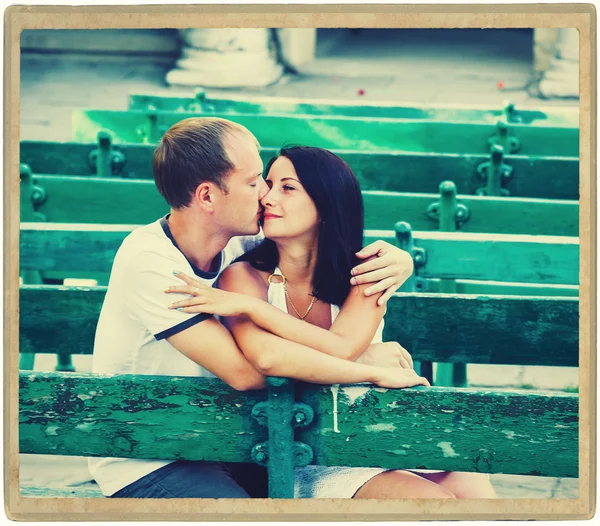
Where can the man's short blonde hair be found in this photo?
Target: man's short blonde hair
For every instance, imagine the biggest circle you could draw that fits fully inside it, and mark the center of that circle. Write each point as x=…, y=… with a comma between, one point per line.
x=191, y=152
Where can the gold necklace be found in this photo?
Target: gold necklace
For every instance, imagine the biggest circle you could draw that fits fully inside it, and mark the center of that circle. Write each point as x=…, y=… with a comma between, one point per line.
x=290, y=299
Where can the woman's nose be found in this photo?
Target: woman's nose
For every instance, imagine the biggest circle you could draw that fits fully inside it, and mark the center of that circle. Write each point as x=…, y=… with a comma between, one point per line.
x=267, y=198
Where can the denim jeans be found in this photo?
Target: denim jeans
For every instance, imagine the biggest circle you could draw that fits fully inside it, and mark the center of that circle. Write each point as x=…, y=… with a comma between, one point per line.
x=201, y=480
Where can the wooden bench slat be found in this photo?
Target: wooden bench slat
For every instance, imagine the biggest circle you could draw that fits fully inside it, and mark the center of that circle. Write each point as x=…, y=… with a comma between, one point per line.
x=109, y=201
x=341, y=132
x=483, y=257
x=533, y=176
x=515, y=259
x=464, y=286
x=482, y=430
x=498, y=215
x=395, y=110
x=435, y=327
x=490, y=431
x=136, y=416
x=513, y=330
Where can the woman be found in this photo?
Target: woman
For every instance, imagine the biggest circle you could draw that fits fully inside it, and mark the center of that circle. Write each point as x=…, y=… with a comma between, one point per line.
x=293, y=285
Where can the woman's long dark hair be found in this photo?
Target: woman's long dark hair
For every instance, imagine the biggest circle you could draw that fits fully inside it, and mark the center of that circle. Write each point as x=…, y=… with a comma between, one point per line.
x=335, y=191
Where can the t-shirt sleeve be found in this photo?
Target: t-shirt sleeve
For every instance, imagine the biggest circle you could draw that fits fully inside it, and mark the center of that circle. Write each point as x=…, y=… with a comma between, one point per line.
x=146, y=279
x=239, y=245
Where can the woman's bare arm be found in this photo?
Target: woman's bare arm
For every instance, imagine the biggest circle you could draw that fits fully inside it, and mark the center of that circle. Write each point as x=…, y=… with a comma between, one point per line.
x=349, y=336
x=274, y=356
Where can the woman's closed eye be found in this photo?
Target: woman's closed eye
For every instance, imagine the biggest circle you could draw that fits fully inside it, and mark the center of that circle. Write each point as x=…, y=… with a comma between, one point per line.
x=287, y=187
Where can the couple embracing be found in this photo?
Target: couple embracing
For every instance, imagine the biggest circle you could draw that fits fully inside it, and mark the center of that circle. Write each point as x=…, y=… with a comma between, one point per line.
x=206, y=291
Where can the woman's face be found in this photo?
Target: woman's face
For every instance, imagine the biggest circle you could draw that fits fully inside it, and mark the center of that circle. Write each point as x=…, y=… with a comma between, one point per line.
x=288, y=210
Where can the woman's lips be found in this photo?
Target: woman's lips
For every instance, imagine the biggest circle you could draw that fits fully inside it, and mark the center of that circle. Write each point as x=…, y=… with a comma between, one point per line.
x=271, y=216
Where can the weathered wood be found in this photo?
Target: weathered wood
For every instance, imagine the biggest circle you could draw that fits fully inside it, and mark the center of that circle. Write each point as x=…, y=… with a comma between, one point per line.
x=70, y=247
x=464, y=286
x=57, y=319
x=506, y=258
x=494, y=257
x=489, y=431
x=396, y=110
x=538, y=177
x=136, y=416
x=434, y=327
x=513, y=330
x=365, y=134
x=110, y=201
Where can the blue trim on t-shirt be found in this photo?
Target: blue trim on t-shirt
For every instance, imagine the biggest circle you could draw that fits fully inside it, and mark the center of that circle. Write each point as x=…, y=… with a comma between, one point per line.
x=164, y=223
x=182, y=326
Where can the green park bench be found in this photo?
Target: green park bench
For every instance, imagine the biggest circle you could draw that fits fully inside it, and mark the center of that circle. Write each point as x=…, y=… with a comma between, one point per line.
x=349, y=133
x=200, y=102
x=486, y=430
x=480, y=263
x=499, y=259
x=481, y=430
x=136, y=201
x=519, y=175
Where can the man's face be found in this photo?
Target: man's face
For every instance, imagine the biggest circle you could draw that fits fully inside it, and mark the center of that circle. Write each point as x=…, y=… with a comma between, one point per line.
x=240, y=208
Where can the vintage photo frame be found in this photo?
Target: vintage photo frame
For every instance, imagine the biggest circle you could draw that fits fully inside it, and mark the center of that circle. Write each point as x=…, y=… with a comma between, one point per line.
x=580, y=16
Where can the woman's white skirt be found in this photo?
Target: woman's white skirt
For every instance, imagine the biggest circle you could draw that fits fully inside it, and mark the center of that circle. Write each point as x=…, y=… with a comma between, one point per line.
x=332, y=482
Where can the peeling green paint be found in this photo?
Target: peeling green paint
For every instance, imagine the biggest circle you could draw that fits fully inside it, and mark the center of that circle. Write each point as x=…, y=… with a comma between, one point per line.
x=136, y=416
x=478, y=440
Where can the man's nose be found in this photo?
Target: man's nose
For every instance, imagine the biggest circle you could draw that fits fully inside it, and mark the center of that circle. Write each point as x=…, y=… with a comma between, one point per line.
x=264, y=190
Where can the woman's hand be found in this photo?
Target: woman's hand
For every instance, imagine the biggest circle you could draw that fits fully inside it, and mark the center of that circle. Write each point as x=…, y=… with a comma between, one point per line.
x=398, y=378
x=207, y=299
x=389, y=270
x=387, y=354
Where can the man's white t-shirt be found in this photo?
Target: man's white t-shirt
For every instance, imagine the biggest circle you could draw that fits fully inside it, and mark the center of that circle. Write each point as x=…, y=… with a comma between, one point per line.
x=135, y=322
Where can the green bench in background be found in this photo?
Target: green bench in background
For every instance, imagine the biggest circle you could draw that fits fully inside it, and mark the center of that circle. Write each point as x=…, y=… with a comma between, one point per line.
x=519, y=175
x=351, y=133
x=200, y=102
x=481, y=263
x=134, y=201
x=547, y=260
x=491, y=329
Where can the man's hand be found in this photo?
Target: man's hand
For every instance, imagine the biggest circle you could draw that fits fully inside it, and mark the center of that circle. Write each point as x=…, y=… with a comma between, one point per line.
x=387, y=354
x=388, y=270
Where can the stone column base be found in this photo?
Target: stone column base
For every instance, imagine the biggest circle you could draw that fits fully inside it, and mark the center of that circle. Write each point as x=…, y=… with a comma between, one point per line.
x=226, y=58
x=561, y=79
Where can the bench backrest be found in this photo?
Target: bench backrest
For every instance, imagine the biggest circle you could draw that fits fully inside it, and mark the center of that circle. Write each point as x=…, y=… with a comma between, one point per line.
x=203, y=419
x=452, y=255
x=365, y=134
x=493, y=257
x=123, y=201
x=200, y=102
x=435, y=327
x=532, y=176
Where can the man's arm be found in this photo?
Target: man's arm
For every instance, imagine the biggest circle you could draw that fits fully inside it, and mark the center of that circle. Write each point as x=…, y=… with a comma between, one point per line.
x=211, y=345
x=244, y=293
x=200, y=337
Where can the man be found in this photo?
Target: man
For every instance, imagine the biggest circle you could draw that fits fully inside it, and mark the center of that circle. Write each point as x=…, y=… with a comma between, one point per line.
x=210, y=173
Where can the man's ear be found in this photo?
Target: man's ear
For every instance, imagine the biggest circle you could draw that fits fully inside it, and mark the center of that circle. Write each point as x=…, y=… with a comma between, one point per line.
x=204, y=196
